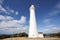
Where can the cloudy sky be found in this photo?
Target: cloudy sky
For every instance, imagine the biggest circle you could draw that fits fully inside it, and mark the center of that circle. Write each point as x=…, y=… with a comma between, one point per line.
x=14, y=16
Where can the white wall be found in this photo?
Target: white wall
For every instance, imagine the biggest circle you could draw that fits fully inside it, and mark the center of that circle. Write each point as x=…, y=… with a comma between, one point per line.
x=41, y=35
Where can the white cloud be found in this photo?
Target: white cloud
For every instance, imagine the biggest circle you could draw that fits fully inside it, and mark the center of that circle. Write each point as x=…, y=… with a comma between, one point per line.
x=13, y=25
x=18, y=29
x=50, y=26
x=58, y=5
x=7, y=10
x=5, y=17
x=47, y=21
x=23, y=19
x=2, y=9
x=12, y=11
x=51, y=29
x=1, y=1
x=8, y=24
x=56, y=10
x=16, y=12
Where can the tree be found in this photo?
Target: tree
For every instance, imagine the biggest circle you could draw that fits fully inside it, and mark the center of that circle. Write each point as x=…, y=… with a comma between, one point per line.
x=23, y=34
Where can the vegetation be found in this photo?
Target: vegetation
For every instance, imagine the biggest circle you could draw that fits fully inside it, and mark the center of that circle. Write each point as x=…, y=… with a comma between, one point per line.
x=44, y=35
x=20, y=35
x=52, y=35
x=55, y=35
x=3, y=36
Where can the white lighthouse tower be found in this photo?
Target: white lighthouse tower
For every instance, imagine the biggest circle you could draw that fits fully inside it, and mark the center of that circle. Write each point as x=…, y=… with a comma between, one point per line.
x=33, y=33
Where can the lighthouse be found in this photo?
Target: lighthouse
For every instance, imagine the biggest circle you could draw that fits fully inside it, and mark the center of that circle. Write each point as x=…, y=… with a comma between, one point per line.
x=33, y=33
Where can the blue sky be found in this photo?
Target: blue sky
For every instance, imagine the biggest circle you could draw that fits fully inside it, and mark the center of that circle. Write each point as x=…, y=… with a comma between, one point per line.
x=14, y=15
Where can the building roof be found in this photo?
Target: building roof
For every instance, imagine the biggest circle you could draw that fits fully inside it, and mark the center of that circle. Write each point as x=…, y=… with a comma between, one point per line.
x=40, y=32
x=32, y=7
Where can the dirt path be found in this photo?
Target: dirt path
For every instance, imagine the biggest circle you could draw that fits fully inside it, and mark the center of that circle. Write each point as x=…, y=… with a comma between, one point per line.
x=23, y=38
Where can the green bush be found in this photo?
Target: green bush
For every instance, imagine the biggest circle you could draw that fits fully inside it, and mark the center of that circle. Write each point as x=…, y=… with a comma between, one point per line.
x=3, y=36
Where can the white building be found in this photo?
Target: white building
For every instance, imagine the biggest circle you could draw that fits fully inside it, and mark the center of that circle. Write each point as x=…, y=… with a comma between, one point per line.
x=40, y=34
x=33, y=33
x=33, y=28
